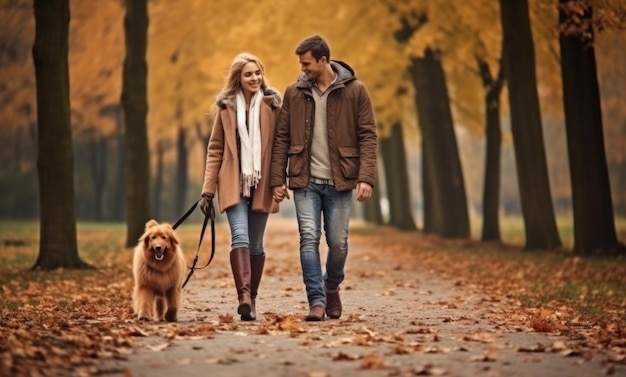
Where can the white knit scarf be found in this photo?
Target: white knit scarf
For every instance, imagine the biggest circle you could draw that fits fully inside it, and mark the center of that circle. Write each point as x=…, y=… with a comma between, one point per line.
x=250, y=137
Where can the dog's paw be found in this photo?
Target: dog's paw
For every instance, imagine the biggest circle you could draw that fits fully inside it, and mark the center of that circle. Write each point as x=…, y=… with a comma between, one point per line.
x=143, y=318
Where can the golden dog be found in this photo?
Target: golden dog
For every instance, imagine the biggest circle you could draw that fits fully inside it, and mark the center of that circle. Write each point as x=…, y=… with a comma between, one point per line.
x=158, y=270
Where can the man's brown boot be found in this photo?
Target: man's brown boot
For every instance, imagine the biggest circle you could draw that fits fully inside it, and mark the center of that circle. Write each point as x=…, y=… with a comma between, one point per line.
x=240, y=264
x=316, y=313
x=333, y=303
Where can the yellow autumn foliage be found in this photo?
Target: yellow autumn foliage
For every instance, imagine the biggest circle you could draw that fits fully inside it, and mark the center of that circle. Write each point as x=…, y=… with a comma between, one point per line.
x=192, y=42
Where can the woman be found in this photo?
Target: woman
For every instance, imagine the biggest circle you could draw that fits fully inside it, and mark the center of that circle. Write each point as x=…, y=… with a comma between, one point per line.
x=237, y=169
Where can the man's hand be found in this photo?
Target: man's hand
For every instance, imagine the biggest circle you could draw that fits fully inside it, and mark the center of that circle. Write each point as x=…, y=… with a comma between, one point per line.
x=363, y=191
x=280, y=193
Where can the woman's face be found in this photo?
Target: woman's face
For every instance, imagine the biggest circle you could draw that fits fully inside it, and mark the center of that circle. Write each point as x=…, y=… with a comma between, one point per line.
x=251, y=78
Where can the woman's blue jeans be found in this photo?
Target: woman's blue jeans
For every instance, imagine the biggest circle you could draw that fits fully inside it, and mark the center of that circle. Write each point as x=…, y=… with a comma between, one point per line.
x=311, y=203
x=247, y=227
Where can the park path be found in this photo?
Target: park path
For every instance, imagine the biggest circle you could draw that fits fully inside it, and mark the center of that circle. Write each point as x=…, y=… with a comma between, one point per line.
x=399, y=320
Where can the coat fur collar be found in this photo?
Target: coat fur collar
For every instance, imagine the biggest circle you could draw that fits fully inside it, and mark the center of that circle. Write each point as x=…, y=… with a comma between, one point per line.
x=272, y=98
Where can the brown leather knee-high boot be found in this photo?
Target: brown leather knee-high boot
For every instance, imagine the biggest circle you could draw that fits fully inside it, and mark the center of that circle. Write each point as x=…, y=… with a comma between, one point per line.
x=257, y=262
x=240, y=264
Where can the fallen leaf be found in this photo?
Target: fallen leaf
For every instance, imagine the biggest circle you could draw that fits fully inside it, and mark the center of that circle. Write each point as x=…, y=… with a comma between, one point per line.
x=342, y=356
x=159, y=347
x=372, y=361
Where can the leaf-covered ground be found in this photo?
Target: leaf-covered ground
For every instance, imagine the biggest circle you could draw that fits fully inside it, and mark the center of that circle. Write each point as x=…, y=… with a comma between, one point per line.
x=71, y=322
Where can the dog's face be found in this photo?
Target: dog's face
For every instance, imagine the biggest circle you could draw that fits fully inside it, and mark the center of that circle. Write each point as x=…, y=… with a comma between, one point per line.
x=159, y=241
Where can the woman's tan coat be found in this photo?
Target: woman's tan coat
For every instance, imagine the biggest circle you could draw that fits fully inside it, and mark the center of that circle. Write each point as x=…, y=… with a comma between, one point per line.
x=222, y=174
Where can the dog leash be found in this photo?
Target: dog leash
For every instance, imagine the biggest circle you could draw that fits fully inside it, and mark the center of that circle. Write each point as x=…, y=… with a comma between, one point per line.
x=210, y=214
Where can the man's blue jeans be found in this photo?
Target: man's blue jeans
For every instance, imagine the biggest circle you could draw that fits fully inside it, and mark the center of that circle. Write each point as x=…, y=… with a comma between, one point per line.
x=247, y=227
x=311, y=203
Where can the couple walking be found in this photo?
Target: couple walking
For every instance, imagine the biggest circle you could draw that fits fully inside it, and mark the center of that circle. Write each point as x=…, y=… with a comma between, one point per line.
x=320, y=142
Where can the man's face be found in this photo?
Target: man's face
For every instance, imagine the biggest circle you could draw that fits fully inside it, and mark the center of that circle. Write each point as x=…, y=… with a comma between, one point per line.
x=311, y=67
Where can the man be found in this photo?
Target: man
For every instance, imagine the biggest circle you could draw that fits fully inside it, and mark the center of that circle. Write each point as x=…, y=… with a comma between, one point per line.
x=327, y=137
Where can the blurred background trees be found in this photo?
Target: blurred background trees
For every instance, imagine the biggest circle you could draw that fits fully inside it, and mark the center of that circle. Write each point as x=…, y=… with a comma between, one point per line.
x=449, y=154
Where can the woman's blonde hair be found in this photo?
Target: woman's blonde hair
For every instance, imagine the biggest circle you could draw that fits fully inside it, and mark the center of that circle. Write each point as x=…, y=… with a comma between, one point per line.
x=233, y=78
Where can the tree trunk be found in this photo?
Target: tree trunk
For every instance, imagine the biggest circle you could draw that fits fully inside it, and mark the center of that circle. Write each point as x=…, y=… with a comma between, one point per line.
x=203, y=137
x=493, y=141
x=120, y=174
x=441, y=154
x=619, y=179
x=397, y=180
x=135, y=104
x=55, y=162
x=594, y=226
x=98, y=152
x=182, y=178
x=433, y=217
x=530, y=155
x=158, y=179
x=9, y=197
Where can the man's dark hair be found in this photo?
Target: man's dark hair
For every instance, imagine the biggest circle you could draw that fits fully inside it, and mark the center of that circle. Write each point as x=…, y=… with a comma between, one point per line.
x=317, y=45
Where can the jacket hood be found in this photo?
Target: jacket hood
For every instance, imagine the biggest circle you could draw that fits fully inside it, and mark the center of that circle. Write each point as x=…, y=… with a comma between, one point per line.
x=344, y=73
x=272, y=97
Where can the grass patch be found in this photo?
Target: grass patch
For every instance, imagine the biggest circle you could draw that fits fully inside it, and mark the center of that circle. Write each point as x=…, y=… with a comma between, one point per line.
x=591, y=288
x=9, y=305
x=601, y=302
